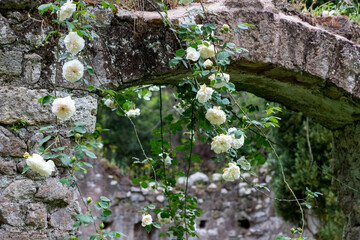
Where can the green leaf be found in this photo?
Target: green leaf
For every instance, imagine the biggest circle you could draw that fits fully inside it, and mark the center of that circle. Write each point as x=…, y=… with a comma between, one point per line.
x=85, y=218
x=89, y=154
x=76, y=225
x=104, y=4
x=65, y=181
x=105, y=199
x=148, y=228
x=80, y=124
x=180, y=53
x=80, y=129
x=156, y=224
x=223, y=55
x=151, y=206
x=136, y=181
x=45, y=99
x=26, y=167
x=70, y=25
x=66, y=160
x=144, y=184
x=87, y=164
x=104, y=204
x=44, y=140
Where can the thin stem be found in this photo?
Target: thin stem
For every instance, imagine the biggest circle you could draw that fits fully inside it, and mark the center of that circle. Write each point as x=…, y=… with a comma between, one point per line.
x=278, y=159
x=162, y=137
x=307, y=129
x=192, y=132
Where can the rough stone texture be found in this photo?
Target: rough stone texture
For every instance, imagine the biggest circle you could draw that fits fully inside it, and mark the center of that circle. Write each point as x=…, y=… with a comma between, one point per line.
x=54, y=191
x=22, y=103
x=227, y=212
x=308, y=66
x=36, y=215
x=10, y=145
x=20, y=189
x=10, y=213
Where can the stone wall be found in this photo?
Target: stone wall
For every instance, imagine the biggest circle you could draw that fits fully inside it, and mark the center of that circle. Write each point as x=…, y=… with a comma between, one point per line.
x=232, y=210
x=305, y=65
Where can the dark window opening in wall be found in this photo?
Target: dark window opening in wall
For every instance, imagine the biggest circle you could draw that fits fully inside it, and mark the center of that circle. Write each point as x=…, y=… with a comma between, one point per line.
x=203, y=223
x=244, y=223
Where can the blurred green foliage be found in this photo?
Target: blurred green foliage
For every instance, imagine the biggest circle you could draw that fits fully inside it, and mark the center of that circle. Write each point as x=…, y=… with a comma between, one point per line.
x=301, y=172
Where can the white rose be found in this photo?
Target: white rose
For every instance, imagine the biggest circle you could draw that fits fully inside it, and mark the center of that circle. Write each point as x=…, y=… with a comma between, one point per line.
x=208, y=63
x=224, y=79
x=110, y=103
x=63, y=108
x=73, y=70
x=231, y=173
x=38, y=164
x=325, y=13
x=74, y=43
x=133, y=113
x=167, y=160
x=192, y=54
x=215, y=115
x=236, y=143
x=67, y=10
x=204, y=94
x=165, y=221
x=207, y=52
x=146, y=220
x=221, y=143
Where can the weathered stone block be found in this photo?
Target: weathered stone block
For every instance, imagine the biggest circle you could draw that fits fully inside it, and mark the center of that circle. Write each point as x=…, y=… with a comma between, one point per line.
x=10, y=145
x=54, y=191
x=7, y=166
x=36, y=215
x=6, y=33
x=20, y=189
x=10, y=213
x=62, y=219
x=32, y=68
x=10, y=63
x=22, y=103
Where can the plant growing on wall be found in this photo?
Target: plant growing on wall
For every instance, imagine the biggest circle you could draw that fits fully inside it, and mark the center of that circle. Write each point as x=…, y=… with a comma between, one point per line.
x=208, y=106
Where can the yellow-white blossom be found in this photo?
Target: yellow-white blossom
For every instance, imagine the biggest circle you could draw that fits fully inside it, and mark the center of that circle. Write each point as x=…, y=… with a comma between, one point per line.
x=110, y=103
x=208, y=63
x=74, y=43
x=224, y=77
x=221, y=143
x=167, y=159
x=226, y=27
x=146, y=220
x=67, y=10
x=133, y=113
x=215, y=115
x=231, y=173
x=204, y=94
x=236, y=143
x=192, y=54
x=165, y=221
x=73, y=70
x=207, y=52
x=39, y=165
x=63, y=108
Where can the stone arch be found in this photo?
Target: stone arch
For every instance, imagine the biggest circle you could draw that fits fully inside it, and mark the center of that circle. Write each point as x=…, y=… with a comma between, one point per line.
x=306, y=66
